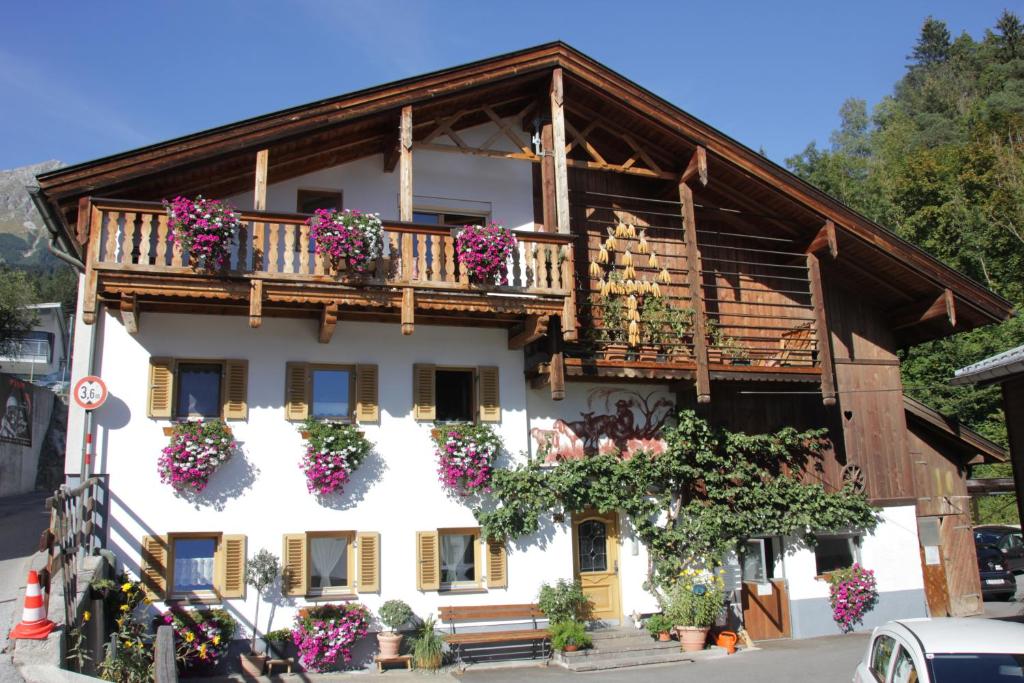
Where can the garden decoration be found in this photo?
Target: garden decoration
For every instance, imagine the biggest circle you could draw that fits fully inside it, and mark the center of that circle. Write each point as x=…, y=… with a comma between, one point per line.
x=261, y=571
x=466, y=454
x=852, y=592
x=324, y=633
x=350, y=237
x=569, y=636
x=394, y=614
x=484, y=252
x=202, y=636
x=205, y=228
x=195, y=452
x=693, y=605
x=659, y=626
x=333, y=452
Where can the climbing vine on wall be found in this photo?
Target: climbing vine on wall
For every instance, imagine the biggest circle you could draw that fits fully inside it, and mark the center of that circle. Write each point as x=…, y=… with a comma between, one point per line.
x=710, y=490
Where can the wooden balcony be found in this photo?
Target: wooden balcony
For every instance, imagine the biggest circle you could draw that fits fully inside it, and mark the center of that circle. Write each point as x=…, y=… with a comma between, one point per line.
x=274, y=270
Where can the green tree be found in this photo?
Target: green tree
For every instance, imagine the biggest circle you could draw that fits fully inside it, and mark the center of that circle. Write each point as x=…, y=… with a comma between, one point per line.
x=16, y=293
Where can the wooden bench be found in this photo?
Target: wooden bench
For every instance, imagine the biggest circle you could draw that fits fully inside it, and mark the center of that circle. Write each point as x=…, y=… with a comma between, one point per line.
x=452, y=615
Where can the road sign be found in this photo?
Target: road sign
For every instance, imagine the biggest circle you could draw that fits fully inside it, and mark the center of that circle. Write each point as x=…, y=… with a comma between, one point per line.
x=90, y=392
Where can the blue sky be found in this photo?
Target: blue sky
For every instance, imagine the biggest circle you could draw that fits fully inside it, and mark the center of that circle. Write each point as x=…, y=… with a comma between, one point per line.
x=80, y=80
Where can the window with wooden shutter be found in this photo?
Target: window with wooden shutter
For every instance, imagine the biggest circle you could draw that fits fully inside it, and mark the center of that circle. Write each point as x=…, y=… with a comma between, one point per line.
x=230, y=562
x=296, y=406
x=490, y=396
x=236, y=387
x=428, y=561
x=367, y=408
x=153, y=566
x=497, y=565
x=293, y=560
x=369, y=562
x=424, y=399
x=161, y=388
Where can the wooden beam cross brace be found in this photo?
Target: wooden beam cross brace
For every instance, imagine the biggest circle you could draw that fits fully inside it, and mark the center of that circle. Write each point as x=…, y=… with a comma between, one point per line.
x=918, y=312
x=535, y=327
x=825, y=239
x=256, y=303
x=408, y=311
x=697, y=167
x=693, y=270
x=328, y=321
x=130, y=313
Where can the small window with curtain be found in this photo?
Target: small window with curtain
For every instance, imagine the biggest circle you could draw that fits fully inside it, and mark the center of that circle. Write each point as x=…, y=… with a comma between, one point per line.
x=755, y=559
x=194, y=565
x=330, y=562
x=460, y=558
x=330, y=389
x=836, y=552
x=199, y=390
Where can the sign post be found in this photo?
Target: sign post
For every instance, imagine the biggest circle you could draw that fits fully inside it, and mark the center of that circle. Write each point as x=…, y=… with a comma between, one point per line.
x=90, y=393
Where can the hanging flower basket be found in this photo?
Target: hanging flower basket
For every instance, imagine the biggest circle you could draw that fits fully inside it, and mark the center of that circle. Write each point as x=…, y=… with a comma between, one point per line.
x=201, y=636
x=466, y=455
x=324, y=633
x=484, y=252
x=333, y=451
x=347, y=237
x=205, y=229
x=196, y=450
x=852, y=593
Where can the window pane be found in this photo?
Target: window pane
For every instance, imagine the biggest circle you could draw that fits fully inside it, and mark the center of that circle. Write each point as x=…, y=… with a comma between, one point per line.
x=972, y=667
x=199, y=390
x=308, y=201
x=904, y=671
x=457, y=558
x=454, y=395
x=593, y=546
x=754, y=561
x=330, y=393
x=459, y=219
x=426, y=217
x=880, y=656
x=328, y=562
x=833, y=552
x=193, y=564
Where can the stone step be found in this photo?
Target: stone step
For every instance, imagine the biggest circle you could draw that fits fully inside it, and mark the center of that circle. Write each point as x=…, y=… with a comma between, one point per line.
x=618, y=660
x=626, y=645
x=612, y=633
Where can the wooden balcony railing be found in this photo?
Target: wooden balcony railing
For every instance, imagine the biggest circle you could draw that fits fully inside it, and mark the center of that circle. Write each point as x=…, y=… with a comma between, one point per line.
x=129, y=236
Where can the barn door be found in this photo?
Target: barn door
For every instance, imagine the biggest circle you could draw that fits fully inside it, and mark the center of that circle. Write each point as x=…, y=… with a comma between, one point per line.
x=765, y=598
x=932, y=566
x=960, y=560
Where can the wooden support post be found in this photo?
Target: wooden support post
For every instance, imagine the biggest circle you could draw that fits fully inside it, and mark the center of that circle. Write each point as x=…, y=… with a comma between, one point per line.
x=693, y=278
x=697, y=167
x=259, y=198
x=1013, y=408
x=548, y=192
x=824, y=336
x=256, y=303
x=825, y=240
x=535, y=327
x=917, y=312
x=405, y=165
x=328, y=321
x=130, y=313
x=558, y=143
x=556, y=368
x=408, y=311
x=90, y=305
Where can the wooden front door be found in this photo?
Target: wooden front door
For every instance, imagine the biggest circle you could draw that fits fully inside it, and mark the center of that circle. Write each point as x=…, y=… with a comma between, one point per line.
x=766, y=609
x=595, y=548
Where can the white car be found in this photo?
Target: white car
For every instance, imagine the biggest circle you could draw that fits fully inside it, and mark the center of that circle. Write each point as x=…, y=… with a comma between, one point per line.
x=950, y=650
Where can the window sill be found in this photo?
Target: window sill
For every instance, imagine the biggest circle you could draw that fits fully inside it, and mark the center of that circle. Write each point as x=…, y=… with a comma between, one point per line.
x=477, y=590
x=331, y=598
x=213, y=600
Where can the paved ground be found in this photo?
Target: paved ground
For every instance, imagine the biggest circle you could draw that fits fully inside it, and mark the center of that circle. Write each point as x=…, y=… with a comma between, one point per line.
x=22, y=521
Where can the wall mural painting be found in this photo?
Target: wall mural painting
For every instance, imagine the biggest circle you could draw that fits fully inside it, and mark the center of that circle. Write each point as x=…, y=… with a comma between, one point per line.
x=16, y=403
x=630, y=422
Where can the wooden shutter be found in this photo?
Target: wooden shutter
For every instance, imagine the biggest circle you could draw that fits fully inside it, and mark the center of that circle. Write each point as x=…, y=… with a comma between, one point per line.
x=236, y=389
x=293, y=579
x=296, y=401
x=161, y=388
x=154, y=564
x=423, y=395
x=230, y=563
x=428, y=561
x=490, y=396
x=369, y=561
x=367, y=409
x=497, y=565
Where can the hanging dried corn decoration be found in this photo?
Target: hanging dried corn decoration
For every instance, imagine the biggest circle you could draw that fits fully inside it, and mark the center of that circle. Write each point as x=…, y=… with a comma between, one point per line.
x=620, y=230
x=610, y=243
x=634, y=333
x=627, y=258
x=664, y=277
x=629, y=272
x=630, y=287
x=595, y=269
x=630, y=230
x=655, y=289
x=631, y=303
x=642, y=248
x=602, y=255
x=652, y=261
x=645, y=287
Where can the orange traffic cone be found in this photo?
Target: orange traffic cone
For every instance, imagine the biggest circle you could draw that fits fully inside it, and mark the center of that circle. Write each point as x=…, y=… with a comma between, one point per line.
x=34, y=625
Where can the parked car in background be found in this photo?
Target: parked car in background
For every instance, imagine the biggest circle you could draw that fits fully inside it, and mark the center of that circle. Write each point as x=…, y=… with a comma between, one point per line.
x=1008, y=539
x=949, y=650
x=997, y=581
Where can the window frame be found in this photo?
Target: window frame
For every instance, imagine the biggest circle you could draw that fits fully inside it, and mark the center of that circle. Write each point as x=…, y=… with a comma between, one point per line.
x=203, y=596
x=351, y=369
x=320, y=191
x=763, y=544
x=332, y=592
x=474, y=399
x=882, y=676
x=478, y=559
x=853, y=538
x=178, y=362
x=902, y=649
x=442, y=212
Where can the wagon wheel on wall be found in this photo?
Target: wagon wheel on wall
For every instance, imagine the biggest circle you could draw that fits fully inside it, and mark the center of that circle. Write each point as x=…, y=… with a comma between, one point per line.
x=854, y=476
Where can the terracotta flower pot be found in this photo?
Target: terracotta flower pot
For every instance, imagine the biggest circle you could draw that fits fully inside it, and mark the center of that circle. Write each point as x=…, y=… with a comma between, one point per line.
x=664, y=636
x=615, y=351
x=692, y=638
x=389, y=643
x=570, y=648
x=252, y=665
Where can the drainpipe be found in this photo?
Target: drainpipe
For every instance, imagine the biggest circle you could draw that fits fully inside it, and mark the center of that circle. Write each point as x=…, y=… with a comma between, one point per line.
x=53, y=225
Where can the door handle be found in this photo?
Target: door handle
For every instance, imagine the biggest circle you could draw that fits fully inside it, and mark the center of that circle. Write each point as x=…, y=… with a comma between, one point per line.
x=616, y=566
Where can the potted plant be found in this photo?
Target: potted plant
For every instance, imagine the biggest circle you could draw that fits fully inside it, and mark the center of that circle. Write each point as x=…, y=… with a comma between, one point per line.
x=613, y=328
x=569, y=636
x=333, y=451
x=394, y=614
x=350, y=238
x=564, y=601
x=466, y=454
x=261, y=571
x=201, y=636
x=852, y=592
x=659, y=626
x=680, y=323
x=323, y=633
x=195, y=452
x=205, y=228
x=484, y=252
x=277, y=642
x=428, y=648
x=693, y=603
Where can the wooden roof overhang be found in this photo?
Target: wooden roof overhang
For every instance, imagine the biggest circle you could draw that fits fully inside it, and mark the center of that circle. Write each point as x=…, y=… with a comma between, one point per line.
x=926, y=298
x=970, y=446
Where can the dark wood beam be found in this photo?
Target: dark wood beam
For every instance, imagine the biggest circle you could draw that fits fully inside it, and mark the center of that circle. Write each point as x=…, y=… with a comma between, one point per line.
x=821, y=330
x=391, y=152
x=405, y=165
x=693, y=278
x=697, y=167
x=328, y=321
x=824, y=241
x=535, y=327
x=918, y=312
x=557, y=94
x=408, y=310
x=557, y=365
x=256, y=303
x=549, y=211
x=259, y=194
x=130, y=313
x=1013, y=409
